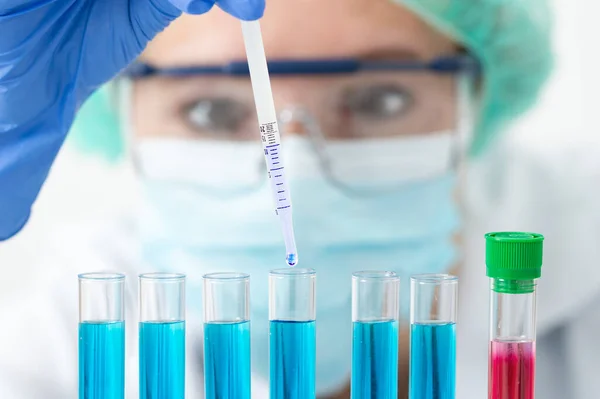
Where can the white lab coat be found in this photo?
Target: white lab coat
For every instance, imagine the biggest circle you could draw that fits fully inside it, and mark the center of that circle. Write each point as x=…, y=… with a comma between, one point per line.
x=553, y=191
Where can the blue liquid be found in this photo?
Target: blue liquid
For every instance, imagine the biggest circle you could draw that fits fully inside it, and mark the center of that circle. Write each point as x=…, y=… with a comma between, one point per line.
x=227, y=360
x=375, y=360
x=291, y=259
x=292, y=359
x=432, y=361
x=162, y=360
x=102, y=360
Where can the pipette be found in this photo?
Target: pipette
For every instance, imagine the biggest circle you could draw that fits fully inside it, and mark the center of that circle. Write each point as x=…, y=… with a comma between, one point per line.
x=269, y=132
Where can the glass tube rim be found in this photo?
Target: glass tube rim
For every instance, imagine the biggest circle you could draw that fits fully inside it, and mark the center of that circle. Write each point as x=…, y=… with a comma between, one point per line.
x=101, y=276
x=434, y=279
x=162, y=276
x=375, y=275
x=226, y=276
x=293, y=272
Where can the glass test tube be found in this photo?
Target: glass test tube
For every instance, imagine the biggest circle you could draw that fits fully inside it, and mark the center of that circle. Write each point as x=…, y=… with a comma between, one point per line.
x=375, y=316
x=101, y=336
x=292, y=346
x=227, y=336
x=514, y=262
x=162, y=335
x=433, y=336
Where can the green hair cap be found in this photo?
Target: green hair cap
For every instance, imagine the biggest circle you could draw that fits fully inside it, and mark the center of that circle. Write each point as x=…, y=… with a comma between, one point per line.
x=511, y=39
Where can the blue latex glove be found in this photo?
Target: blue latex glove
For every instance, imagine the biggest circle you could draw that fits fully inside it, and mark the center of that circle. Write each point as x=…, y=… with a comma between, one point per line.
x=53, y=55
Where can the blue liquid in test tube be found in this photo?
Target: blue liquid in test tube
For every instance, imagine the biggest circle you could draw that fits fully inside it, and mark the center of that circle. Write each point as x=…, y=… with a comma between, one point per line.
x=292, y=357
x=433, y=336
x=162, y=359
x=227, y=360
x=101, y=336
x=375, y=359
x=227, y=336
x=101, y=360
x=162, y=336
x=433, y=360
x=375, y=315
x=292, y=346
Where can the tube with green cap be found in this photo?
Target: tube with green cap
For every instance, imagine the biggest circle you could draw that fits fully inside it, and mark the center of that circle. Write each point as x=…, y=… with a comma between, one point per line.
x=514, y=263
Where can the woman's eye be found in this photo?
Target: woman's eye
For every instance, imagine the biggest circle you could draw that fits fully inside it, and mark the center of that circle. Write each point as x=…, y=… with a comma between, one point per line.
x=381, y=101
x=217, y=114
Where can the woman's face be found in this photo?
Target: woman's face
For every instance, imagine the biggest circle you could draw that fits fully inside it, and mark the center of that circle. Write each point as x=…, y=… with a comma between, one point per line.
x=347, y=107
x=334, y=230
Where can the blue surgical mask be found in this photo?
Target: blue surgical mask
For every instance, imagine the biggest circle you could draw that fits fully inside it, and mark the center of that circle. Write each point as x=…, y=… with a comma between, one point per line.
x=408, y=230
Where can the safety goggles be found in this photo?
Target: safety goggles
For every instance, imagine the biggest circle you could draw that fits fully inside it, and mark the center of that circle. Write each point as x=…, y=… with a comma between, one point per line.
x=336, y=104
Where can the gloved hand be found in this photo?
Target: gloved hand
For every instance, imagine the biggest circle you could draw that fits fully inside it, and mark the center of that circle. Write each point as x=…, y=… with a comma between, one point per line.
x=53, y=55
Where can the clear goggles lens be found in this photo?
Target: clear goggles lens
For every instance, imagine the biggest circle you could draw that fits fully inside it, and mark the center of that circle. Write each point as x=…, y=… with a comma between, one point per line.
x=366, y=131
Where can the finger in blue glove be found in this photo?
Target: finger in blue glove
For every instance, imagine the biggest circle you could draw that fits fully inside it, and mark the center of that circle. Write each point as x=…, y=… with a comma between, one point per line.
x=53, y=55
x=247, y=10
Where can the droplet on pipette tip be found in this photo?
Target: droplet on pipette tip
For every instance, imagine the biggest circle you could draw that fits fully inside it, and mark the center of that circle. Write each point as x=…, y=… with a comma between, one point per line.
x=291, y=259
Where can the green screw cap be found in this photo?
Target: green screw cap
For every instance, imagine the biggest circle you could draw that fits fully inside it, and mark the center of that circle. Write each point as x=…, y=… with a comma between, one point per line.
x=513, y=255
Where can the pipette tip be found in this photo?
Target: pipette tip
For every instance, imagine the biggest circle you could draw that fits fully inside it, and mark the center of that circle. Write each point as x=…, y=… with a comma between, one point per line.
x=291, y=259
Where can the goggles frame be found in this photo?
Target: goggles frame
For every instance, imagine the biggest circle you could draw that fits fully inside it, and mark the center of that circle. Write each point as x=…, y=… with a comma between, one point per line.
x=450, y=64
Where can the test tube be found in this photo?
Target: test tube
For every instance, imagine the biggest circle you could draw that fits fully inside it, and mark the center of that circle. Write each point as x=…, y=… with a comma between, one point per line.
x=227, y=336
x=375, y=316
x=292, y=346
x=433, y=336
x=101, y=336
x=514, y=262
x=162, y=335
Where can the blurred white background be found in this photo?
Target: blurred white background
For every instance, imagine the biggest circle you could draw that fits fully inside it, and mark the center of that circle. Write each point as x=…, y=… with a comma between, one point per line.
x=86, y=190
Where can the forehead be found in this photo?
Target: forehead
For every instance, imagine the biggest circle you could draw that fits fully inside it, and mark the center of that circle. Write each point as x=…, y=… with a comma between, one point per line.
x=302, y=29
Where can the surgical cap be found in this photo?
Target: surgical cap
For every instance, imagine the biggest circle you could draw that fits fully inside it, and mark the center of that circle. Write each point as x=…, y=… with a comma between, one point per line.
x=510, y=38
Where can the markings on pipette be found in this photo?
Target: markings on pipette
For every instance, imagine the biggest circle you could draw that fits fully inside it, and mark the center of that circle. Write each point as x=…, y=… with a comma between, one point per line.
x=270, y=139
x=269, y=133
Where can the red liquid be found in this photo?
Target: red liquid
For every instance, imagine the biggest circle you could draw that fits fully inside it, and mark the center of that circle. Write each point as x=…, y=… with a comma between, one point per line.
x=512, y=370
